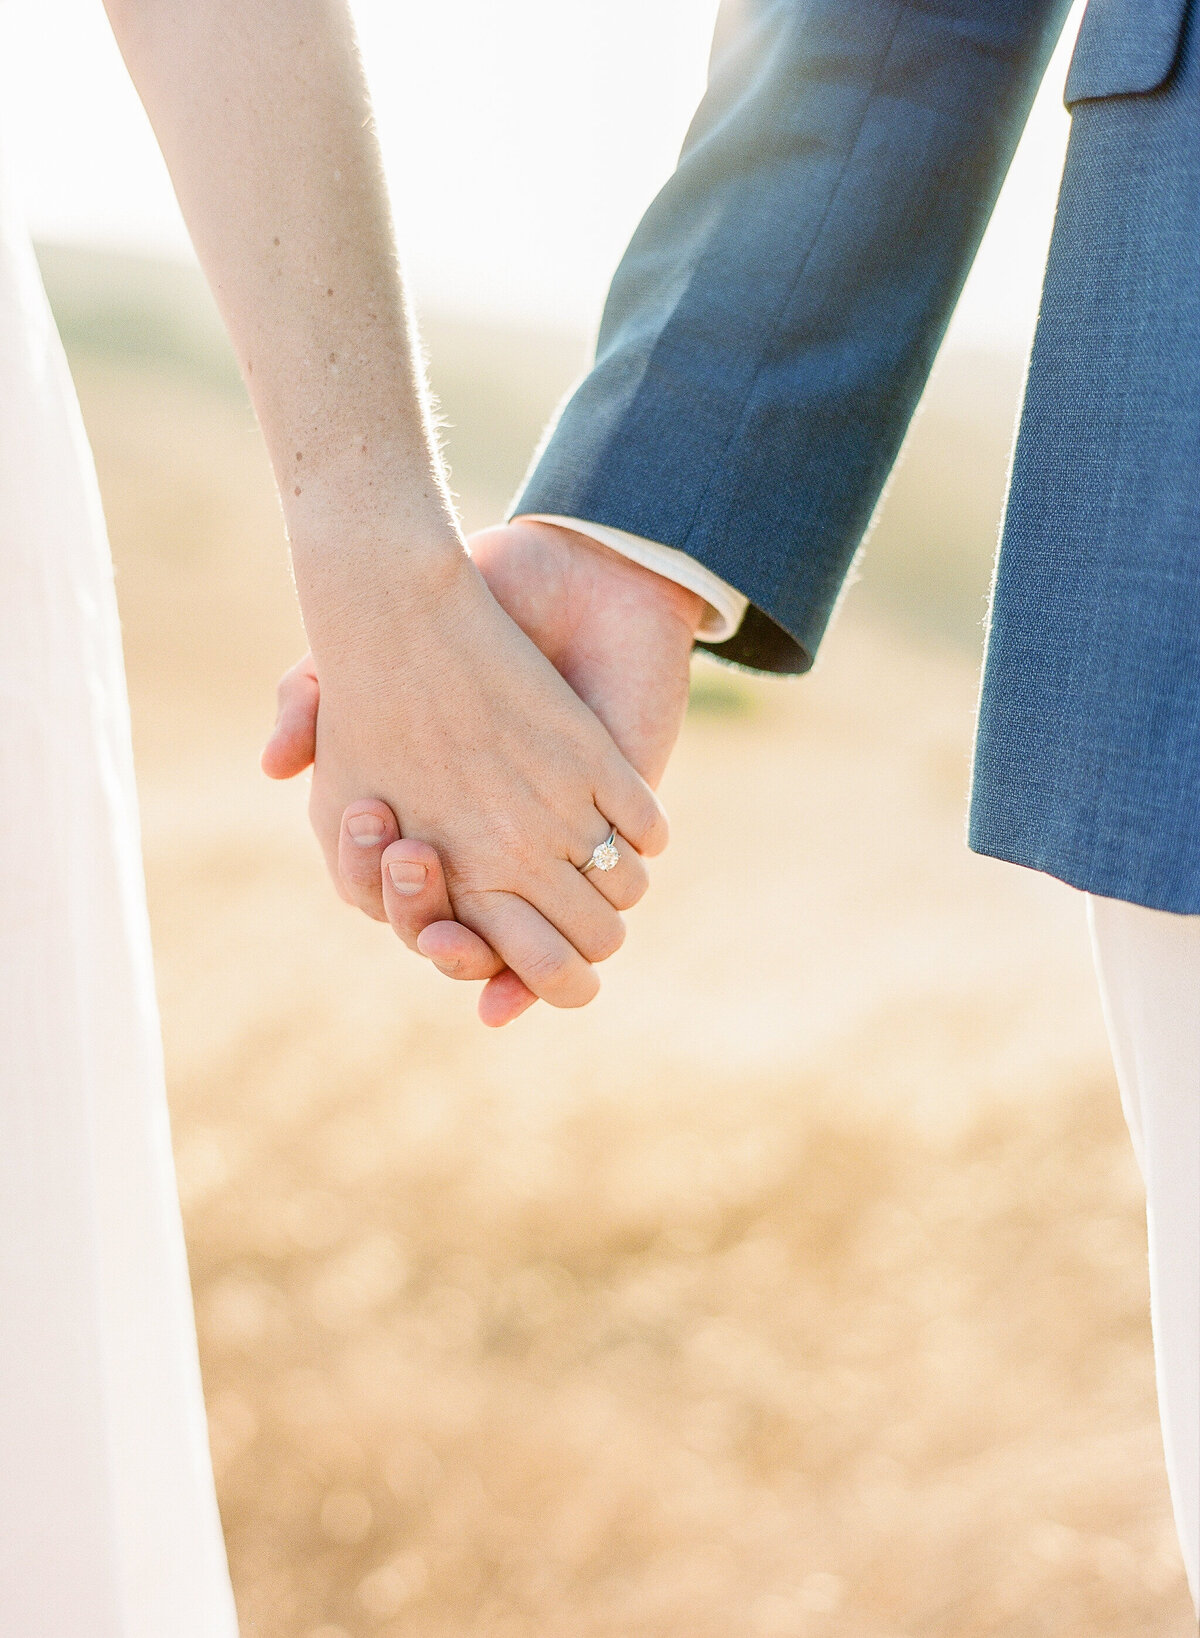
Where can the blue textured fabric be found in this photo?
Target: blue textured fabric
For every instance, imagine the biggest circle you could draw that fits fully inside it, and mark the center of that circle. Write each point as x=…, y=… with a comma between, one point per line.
x=1088, y=752
x=771, y=327
x=1126, y=48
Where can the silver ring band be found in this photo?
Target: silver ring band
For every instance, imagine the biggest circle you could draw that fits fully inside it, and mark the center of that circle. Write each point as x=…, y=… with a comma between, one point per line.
x=605, y=855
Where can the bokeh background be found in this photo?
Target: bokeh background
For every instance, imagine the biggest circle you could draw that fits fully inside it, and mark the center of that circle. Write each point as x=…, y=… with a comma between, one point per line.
x=797, y=1287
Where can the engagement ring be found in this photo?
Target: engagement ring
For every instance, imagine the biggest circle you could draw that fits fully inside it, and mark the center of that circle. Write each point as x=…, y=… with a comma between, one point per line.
x=604, y=857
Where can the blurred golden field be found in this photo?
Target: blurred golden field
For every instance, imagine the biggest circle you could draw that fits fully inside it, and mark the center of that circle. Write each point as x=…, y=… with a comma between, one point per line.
x=796, y=1288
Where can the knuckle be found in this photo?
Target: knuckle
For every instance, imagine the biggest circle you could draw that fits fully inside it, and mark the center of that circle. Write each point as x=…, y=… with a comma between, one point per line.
x=408, y=919
x=359, y=873
x=629, y=894
x=647, y=824
x=607, y=941
x=632, y=885
x=509, y=840
x=549, y=969
x=657, y=832
x=505, y=863
x=371, y=904
x=479, y=908
x=579, y=994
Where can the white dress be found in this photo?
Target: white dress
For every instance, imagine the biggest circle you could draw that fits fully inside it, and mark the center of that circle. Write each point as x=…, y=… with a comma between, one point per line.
x=108, y=1518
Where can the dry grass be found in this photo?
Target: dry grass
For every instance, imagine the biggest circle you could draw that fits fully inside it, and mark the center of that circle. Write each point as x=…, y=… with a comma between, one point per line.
x=795, y=1289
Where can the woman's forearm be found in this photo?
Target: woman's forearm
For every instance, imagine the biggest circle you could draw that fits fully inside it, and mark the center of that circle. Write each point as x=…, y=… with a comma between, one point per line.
x=433, y=701
x=262, y=114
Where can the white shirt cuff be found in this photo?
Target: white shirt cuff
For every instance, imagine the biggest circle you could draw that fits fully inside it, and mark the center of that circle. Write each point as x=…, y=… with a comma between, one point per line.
x=726, y=608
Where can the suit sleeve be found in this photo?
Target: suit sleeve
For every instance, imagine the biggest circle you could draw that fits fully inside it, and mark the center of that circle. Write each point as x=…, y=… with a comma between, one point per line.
x=773, y=321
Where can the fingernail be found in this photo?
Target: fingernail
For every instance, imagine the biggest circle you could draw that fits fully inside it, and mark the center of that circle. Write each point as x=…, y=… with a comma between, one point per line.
x=444, y=964
x=366, y=829
x=408, y=877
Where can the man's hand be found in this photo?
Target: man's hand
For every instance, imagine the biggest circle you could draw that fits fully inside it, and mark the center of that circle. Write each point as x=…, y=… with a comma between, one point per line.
x=620, y=635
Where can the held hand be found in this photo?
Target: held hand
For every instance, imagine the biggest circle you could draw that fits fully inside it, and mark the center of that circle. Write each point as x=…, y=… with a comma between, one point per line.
x=620, y=635
x=477, y=746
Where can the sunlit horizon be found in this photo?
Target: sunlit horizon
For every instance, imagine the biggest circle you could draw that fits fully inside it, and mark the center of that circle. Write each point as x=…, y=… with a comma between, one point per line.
x=521, y=146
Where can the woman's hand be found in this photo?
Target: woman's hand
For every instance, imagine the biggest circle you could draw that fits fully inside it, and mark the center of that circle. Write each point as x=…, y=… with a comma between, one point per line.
x=434, y=703
x=618, y=634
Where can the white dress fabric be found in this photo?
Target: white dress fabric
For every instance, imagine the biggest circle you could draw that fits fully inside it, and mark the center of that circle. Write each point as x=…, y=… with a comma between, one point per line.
x=108, y=1517
x=1148, y=963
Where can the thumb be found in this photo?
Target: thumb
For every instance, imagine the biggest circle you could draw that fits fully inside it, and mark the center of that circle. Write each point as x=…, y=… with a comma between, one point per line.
x=632, y=669
x=293, y=740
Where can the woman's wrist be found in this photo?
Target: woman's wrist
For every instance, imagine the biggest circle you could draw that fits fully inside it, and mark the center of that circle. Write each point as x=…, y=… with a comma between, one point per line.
x=375, y=488
x=368, y=583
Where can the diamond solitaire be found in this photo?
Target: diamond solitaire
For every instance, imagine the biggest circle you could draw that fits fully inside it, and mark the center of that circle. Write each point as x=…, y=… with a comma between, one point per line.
x=605, y=856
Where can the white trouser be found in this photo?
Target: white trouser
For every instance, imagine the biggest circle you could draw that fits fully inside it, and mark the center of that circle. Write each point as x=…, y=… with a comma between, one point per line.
x=1148, y=963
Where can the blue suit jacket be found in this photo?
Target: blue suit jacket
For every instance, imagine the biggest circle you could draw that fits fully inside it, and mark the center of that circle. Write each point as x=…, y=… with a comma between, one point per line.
x=770, y=329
